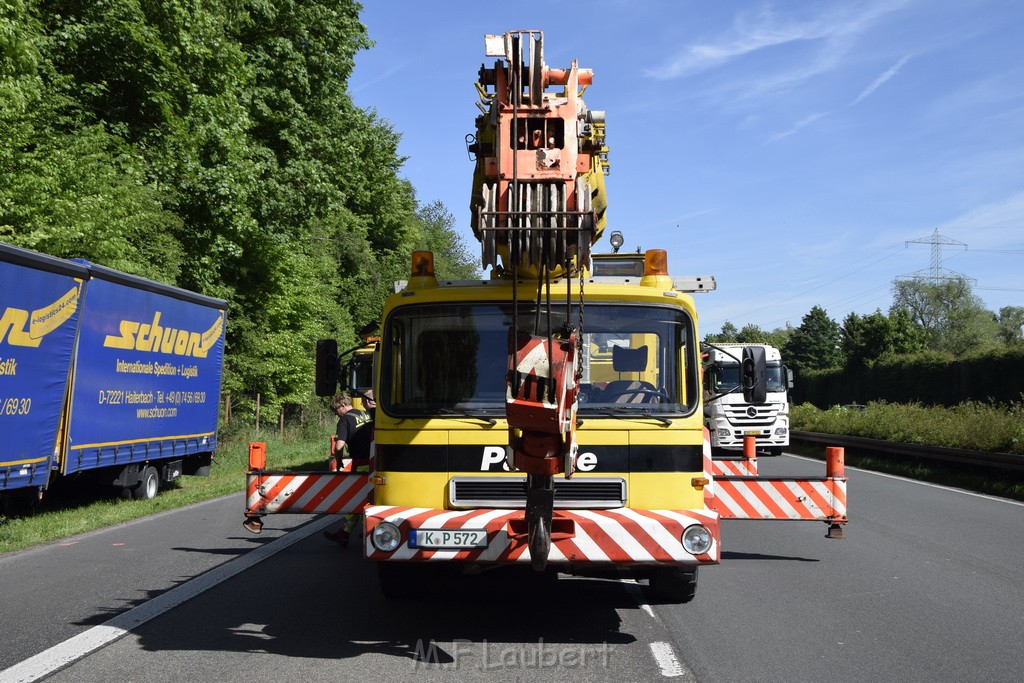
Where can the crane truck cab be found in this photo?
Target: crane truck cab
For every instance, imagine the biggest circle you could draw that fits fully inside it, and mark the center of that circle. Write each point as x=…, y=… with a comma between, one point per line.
x=632, y=501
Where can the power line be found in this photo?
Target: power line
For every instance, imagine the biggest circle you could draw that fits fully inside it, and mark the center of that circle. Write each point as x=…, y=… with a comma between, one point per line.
x=820, y=285
x=935, y=273
x=983, y=227
x=866, y=296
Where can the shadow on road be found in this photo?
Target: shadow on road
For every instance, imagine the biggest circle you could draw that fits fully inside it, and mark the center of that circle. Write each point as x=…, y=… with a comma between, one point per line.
x=733, y=555
x=317, y=601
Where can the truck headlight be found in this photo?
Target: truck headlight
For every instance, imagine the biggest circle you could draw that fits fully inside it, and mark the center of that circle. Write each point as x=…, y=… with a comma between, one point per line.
x=696, y=539
x=780, y=431
x=723, y=433
x=386, y=537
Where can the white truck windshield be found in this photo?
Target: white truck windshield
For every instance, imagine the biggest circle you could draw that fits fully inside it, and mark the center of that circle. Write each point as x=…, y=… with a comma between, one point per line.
x=726, y=377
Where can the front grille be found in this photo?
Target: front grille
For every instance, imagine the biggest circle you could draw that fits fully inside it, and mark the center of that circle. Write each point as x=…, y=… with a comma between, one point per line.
x=740, y=414
x=510, y=492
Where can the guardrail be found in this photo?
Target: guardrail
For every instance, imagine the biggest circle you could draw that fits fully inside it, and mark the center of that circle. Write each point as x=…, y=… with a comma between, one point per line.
x=999, y=461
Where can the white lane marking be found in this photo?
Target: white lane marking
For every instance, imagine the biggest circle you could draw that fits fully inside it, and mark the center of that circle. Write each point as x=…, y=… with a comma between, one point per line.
x=73, y=649
x=666, y=658
x=664, y=654
x=929, y=484
x=637, y=593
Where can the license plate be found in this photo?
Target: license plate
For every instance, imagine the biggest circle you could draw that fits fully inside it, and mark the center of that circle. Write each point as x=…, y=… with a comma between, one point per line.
x=448, y=538
x=752, y=432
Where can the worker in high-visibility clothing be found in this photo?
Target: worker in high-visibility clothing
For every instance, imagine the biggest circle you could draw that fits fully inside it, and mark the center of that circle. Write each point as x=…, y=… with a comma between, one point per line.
x=354, y=436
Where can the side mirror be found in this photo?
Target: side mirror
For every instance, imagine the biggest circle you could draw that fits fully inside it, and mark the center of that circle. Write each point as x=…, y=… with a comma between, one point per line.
x=789, y=377
x=328, y=367
x=754, y=375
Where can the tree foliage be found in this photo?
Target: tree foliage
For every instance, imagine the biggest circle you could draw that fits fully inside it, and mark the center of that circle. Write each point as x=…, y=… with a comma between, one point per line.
x=814, y=345
x=727, y=335
x=866, y=338
x=452, y=260
x=750, y=334
x=1011, y=325
x=954, y=319
x=68, y=185
x=213, y=144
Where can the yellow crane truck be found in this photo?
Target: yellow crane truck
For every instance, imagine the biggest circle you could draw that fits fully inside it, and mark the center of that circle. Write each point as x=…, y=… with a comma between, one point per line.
x=550, y=415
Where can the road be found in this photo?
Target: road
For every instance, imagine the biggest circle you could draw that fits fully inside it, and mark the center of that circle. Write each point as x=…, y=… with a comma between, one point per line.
x=926, y=586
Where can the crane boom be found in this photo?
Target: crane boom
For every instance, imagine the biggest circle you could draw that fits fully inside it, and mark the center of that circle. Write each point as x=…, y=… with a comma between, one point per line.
x=538, y=206
x=538, y=188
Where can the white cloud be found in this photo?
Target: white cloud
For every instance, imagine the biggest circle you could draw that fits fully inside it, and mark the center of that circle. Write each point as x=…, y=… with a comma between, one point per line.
x=752, y=32
x=878, y=82
x=802, y=123
x=866, y=92
x=1008, y=212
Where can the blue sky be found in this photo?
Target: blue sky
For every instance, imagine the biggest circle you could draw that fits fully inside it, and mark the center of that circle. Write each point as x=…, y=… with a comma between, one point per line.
x=790, y=149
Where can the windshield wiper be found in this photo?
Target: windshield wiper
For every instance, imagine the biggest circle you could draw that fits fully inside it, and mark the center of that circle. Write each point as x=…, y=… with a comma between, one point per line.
x=724, y=393
x=628, y=412
x=448, y=412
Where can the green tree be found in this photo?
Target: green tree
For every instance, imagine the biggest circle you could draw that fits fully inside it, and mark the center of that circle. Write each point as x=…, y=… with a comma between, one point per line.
x=955, y=320
x=752, y=334
x=728, y=334
x=68, y=186
x=779, y=336
x=330, y=193
x=905, y=336
x=749, y=334
x=814, y=345
x=452, y=257
x=213, y=144
x=1011, y=325
x=866, y=338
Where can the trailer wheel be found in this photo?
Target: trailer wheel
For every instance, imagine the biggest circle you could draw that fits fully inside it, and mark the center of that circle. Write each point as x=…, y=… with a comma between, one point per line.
x=149, y=484
x=673, y=585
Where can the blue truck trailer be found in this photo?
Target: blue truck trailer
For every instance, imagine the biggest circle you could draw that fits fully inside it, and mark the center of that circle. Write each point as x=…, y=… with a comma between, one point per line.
x=104, y=375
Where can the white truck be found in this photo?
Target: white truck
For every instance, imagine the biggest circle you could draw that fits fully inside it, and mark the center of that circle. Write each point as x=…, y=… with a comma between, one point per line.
x=728, y=417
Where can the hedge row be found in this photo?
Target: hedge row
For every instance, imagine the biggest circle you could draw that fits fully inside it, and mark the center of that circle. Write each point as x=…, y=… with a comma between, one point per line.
x=928, y=378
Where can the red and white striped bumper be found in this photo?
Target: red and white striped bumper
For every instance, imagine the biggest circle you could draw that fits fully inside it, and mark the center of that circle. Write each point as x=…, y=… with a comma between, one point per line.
x=736, y=492
x=736, y=468
x=623, y=536
x=270, y=493
x=821, y=499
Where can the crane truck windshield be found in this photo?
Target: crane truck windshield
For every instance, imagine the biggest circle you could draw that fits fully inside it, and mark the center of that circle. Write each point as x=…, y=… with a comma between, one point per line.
x=445, y=358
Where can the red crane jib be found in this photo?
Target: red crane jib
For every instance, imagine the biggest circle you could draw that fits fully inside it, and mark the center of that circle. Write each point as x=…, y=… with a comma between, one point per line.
x=540, y=402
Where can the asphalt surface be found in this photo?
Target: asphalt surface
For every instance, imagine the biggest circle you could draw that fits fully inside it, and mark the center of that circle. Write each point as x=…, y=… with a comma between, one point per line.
x=926, y=586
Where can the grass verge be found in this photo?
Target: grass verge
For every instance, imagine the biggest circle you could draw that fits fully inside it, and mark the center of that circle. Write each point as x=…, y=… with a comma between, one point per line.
x=972, y=425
